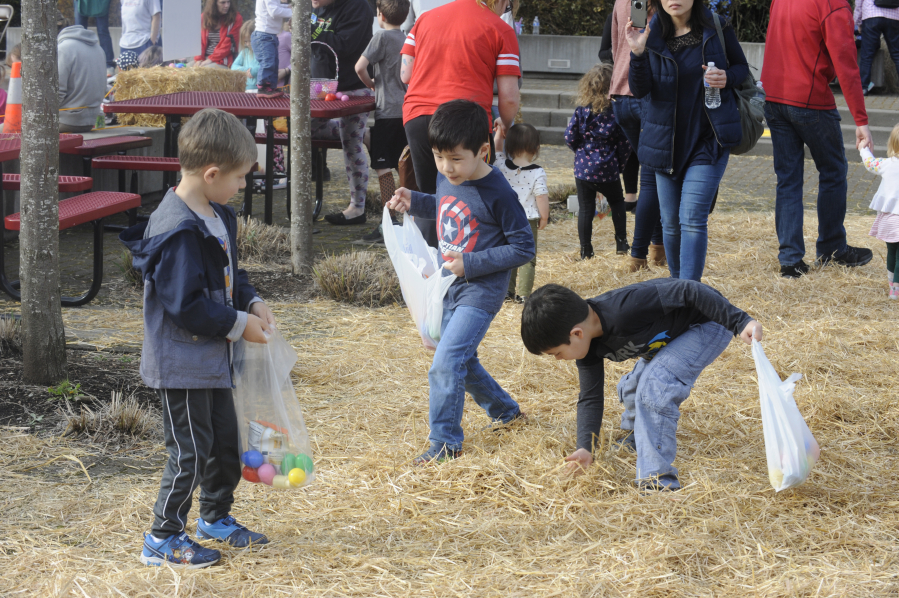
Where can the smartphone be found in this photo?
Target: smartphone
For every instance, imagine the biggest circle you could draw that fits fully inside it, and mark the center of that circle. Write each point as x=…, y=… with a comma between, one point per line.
x=638, y=13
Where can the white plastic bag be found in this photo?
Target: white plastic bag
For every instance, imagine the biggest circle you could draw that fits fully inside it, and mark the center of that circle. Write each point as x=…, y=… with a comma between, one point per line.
x=789, y=445
x=274, y=444
x=419, y=268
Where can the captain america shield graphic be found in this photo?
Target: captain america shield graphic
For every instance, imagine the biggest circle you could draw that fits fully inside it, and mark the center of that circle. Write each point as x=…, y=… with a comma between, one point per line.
x=458, y=228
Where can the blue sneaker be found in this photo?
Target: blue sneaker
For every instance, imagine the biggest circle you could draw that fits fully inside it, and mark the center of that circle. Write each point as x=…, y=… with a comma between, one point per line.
x=228, y=530
x=629, y=442
x=177, y=551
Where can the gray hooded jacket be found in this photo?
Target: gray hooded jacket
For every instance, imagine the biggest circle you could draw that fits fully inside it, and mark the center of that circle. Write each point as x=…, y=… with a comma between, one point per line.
x=82, y=76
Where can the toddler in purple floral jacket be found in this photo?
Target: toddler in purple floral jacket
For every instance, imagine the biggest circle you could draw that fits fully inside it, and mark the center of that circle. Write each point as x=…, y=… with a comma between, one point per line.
x=600, y=154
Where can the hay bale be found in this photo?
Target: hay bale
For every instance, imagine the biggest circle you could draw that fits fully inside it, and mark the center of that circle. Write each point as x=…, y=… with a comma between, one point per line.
x=358, y=278
x=159, y=80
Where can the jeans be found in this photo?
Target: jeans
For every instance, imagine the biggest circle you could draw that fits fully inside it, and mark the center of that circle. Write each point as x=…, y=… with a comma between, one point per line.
x=102, y=33
x=265, y=48
x=653, y=392
x=522, y=279
x=791, y=128
x=872, y=29
x=138, y=50
x=647, y=220
x=456, y=369
x=685, y=203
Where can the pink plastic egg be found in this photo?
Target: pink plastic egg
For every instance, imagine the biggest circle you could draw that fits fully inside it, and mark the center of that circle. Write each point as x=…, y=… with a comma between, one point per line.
x=344, y=97
x=318, y=88
x=266, y=473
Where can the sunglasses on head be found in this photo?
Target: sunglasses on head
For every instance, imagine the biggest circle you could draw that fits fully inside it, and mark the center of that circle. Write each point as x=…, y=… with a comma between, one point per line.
x=508, y=8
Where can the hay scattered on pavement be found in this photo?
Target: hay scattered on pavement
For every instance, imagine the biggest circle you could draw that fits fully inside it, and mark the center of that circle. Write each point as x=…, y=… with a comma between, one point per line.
x=501, y=521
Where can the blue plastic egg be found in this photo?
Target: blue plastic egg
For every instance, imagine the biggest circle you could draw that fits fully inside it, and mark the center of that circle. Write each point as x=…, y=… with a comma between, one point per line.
x=252, y=458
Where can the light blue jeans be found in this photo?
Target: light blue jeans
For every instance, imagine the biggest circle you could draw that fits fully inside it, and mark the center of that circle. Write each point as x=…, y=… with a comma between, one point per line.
x=685, y=203
x=653, y=391
x=456, y=369
x=265, y=48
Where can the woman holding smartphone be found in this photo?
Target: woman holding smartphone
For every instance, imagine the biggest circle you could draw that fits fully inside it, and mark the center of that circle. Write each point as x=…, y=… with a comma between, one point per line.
x=685, y=142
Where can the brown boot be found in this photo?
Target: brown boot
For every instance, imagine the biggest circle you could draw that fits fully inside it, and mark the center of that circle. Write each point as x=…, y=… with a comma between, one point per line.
x=656, y=255
x=634, y=264
x=388, y=186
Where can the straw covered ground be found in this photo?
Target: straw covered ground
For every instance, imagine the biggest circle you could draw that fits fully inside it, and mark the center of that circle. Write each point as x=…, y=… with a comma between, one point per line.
x=503, y=520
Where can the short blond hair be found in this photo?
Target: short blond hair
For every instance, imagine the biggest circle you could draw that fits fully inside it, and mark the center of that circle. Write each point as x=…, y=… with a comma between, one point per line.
x=893, y=143
x=215, y=138
x=593, y=88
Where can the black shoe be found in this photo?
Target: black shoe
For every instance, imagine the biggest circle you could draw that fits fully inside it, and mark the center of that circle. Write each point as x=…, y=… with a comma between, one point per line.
x=621, y=246
x=630, y=206
x=327, y=175
x=586, y=252
x=794, y=271
x=436, y=454
x=338, y=219
x=375, y=236
x=850, y=257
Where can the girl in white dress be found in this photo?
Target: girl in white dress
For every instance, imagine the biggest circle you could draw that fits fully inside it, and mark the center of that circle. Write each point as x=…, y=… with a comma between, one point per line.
x=886, y=202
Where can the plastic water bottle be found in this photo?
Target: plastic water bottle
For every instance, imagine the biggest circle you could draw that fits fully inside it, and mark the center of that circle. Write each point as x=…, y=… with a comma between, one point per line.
x=759, y=98
x=712, y=94
x=536, y=26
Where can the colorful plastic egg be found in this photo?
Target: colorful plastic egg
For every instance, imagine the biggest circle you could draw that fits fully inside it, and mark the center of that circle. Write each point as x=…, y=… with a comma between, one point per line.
x=344, y=97
x=281, y=481
x=250, y=474
x=296, y=476
x=289, y=462
x=252, y=459
x=330, y=97
x=304, y=462
x=266, y=473
x=317, y=87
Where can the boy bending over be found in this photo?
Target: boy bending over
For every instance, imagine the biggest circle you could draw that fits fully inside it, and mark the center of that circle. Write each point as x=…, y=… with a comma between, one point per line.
x=196, y=303
x=483, y=234
x=675, y=328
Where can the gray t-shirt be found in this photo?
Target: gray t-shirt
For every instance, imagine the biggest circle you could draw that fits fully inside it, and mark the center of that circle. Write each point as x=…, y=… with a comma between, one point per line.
x=218, y=229
x=383, y=52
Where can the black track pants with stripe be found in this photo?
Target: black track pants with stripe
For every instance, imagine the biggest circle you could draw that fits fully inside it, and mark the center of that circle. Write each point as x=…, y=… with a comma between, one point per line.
x=200, y=427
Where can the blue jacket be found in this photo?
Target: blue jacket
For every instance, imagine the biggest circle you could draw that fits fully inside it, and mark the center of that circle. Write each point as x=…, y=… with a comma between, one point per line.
x=654, y=74
x=186, y=318
x=600, y=148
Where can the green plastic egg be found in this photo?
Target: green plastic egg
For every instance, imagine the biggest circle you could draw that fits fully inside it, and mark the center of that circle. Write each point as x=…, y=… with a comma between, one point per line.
x=304, y=462
x=289, y=462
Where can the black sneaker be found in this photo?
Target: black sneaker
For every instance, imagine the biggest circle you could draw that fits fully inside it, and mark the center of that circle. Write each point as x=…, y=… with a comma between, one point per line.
x=621, y=246
x=436, y=454
x=375, y=236
x=630, y=206
x=499, y=426
x=850, y=257
x=794, y=271
x=586, y=252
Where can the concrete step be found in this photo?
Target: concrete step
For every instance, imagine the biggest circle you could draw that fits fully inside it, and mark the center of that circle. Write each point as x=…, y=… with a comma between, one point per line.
x=764, y=148
x=546, y=117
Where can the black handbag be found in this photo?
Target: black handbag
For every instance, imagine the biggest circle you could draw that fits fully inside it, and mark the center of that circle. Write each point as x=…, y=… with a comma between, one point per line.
x=750, y=102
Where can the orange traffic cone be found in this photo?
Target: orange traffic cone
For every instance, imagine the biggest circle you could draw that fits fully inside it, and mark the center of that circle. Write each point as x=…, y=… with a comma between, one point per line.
x=13, y=121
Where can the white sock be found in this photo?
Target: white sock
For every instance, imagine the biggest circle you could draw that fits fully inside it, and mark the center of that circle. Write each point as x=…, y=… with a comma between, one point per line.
x=155, y=539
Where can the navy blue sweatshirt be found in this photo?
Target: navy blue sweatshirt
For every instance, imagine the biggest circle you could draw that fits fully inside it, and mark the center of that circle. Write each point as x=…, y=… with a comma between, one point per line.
x=639, y=320
x=484, y=221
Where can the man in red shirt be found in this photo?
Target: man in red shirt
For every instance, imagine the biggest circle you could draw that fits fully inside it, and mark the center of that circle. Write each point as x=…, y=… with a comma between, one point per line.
x=808, y=43
x=456, y=52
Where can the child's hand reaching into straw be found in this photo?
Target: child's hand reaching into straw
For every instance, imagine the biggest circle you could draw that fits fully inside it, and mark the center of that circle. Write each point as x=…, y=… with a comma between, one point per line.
x=578, y=462
x=753, y=330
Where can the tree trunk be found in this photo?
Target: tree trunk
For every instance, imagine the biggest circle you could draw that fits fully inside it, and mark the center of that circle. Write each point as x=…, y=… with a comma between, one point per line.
x=300, y=142
x=42, y=327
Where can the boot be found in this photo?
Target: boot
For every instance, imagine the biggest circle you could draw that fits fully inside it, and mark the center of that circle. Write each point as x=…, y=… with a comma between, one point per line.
x=621, y=245
x=586, y=252
x=635, y=264
x=657, y=256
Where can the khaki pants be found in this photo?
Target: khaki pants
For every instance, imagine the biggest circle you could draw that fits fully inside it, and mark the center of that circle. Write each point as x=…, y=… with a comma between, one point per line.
x=524, y=275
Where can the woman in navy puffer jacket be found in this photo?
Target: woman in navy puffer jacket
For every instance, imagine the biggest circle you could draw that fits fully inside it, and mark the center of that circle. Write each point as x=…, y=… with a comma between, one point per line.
x=686, y=143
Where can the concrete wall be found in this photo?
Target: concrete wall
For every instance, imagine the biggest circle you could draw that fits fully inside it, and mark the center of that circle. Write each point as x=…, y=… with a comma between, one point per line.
x=575, y=55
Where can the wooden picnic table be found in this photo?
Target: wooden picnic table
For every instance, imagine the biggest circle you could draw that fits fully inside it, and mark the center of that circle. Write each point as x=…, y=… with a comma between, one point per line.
x=243, y=105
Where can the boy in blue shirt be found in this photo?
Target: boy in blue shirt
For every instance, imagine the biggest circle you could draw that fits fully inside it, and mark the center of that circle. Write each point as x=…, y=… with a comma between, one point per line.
x=196, y=303
x=483, y=234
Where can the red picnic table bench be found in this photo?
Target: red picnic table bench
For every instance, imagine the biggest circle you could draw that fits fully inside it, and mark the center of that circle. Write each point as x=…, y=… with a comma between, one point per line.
x=89, y=207
x=242, y=105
